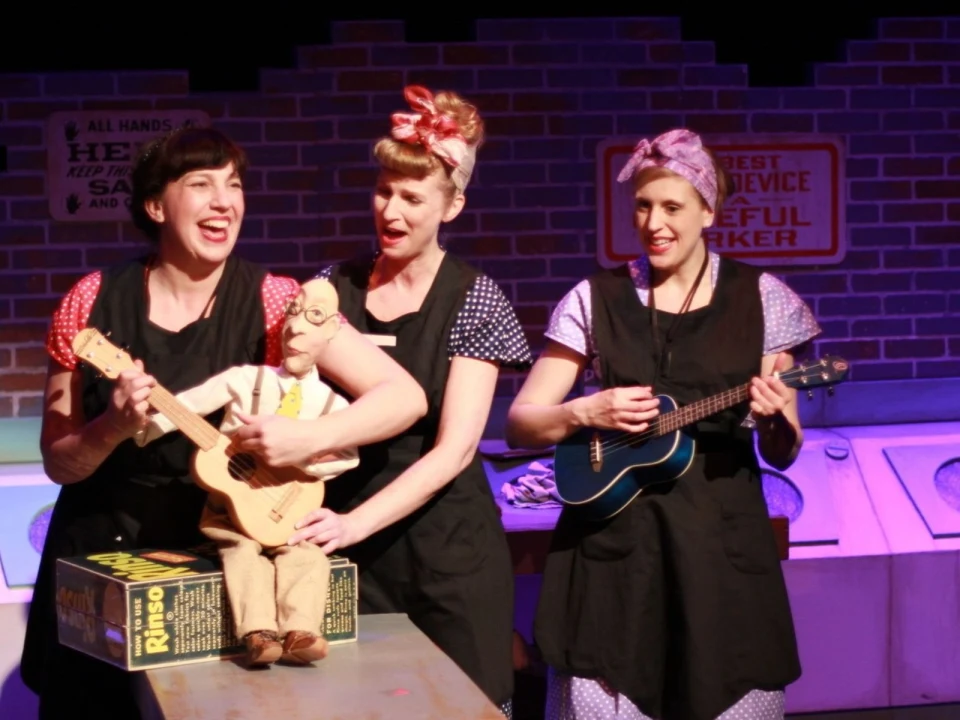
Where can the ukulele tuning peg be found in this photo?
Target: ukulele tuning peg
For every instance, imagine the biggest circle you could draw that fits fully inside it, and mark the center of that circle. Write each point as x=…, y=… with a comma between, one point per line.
x=809, y=394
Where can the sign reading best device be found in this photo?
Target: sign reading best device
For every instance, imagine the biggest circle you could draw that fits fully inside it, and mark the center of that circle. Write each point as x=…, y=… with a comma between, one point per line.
x=787, y=208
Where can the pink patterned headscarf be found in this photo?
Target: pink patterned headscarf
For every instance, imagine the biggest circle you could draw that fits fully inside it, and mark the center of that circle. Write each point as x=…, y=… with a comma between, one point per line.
x=680, y=151
x=437, y=132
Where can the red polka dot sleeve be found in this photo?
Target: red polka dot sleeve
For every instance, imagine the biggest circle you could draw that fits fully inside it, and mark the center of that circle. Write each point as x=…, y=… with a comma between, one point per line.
x=70, y=318
x=276, y=291
x=74, y=311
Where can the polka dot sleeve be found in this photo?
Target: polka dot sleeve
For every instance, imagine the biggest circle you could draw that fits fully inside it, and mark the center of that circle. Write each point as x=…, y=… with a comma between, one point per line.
x=276, y=292
x=571, y=321
x=787, y=320
x=71, y=317
x=487, y=328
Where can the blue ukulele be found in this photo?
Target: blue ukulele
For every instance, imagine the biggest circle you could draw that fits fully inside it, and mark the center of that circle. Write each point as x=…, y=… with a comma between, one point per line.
x=601, y=471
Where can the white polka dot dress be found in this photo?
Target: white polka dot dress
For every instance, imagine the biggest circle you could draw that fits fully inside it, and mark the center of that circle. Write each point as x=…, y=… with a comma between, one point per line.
x=788, y=321
x=787, y=324
x=574, y=698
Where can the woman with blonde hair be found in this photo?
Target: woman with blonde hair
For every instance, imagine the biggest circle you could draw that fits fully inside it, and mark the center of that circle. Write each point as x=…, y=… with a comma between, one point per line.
x=674, y=607
x=418, y=516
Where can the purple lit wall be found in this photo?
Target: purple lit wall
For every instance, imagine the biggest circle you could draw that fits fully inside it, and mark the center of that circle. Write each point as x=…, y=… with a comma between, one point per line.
x=549, y=91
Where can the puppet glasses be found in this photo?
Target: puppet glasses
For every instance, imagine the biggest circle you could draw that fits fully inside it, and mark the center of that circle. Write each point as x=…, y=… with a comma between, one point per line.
x=315, y=314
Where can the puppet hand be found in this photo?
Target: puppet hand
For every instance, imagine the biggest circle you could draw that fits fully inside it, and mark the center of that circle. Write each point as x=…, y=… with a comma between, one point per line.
x=768, y=395
x=278, y=440
x=327, y=529
x=128, y=411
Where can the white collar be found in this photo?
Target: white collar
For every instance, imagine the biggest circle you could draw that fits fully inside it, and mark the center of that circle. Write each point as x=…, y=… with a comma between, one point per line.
x=287, y=380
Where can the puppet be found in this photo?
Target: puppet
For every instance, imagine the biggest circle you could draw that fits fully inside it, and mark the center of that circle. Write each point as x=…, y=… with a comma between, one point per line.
x=277, y=594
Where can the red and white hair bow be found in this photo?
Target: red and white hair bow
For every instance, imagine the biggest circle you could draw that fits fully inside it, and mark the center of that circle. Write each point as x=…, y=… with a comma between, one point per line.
x=437, y=132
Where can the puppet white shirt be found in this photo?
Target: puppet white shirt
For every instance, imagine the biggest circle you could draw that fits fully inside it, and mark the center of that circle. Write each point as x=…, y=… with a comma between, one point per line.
x=233, y=389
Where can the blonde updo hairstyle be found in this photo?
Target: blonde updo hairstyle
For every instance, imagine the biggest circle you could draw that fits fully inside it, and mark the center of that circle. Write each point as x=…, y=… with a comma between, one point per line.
x=725, y=186
x=416, y=161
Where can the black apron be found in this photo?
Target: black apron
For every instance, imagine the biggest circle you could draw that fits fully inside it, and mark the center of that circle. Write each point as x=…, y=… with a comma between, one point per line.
x=138, y=497
x=678, y=602
x=447, y=565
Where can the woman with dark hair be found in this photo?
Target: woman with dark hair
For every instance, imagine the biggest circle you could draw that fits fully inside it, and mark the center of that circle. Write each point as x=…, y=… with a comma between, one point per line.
x=187, y=311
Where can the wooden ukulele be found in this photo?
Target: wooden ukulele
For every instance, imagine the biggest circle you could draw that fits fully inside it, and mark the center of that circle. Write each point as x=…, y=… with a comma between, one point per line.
x=263, y=501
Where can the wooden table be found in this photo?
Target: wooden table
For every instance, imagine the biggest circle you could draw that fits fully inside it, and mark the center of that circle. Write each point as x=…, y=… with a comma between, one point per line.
x=392, y=671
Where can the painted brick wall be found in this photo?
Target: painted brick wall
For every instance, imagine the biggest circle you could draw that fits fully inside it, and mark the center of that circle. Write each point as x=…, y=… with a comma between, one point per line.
x=549, y=91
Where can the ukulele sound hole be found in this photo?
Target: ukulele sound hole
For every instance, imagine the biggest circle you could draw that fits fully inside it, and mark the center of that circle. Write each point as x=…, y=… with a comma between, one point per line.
x=242, y=466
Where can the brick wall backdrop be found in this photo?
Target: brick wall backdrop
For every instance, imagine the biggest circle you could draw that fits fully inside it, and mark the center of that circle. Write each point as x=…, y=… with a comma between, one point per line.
x=549, y=91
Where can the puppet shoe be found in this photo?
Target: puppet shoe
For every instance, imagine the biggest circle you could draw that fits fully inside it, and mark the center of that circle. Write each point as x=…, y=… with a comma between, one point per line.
x=263, y=648
x=302, y=648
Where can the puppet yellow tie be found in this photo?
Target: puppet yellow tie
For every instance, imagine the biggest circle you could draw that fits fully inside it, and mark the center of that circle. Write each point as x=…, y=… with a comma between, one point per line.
x=290, y=404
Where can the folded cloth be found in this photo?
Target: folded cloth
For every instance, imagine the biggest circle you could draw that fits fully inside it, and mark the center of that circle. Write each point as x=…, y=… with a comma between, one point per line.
x=535, y=489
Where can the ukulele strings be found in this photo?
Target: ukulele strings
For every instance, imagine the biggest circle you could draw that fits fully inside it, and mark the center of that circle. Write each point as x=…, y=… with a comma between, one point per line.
x=630, y=439
x=241, y=466
x=244, y=468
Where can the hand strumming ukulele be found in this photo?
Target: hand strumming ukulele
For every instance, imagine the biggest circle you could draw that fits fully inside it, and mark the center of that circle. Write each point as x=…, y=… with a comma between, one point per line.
x=602, y=471
x=263, y=501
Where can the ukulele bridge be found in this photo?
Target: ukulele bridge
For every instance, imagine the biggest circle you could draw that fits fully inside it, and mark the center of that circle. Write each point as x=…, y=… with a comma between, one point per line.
x=596, y=452
x=243, y=467
x=278, y=511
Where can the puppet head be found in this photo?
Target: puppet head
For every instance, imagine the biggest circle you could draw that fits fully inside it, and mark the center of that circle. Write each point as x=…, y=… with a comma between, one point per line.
x=312, y=319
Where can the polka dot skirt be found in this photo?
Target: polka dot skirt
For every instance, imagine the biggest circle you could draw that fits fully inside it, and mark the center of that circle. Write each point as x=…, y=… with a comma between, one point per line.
x=574, y=698
x=72, y=314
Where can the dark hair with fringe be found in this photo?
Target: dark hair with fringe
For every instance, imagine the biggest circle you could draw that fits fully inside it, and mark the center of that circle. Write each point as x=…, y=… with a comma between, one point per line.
x=169, y=158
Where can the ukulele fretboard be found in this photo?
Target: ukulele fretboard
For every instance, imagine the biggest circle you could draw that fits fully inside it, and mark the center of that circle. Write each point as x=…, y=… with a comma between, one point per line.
x=190, y=424
x=689, y=414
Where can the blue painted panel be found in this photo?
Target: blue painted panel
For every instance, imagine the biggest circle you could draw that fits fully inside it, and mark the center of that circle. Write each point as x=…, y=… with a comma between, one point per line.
x=26, y=511
x=20, y=440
